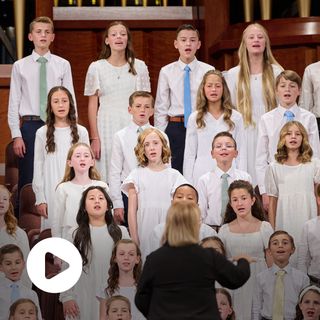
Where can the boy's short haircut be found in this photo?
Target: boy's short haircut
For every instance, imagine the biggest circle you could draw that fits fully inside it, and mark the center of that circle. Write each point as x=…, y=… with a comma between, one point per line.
x=187, y=27
x=289, y=75
x=144, y=94
x=278, y=232
x=186, y=185
x=224, y=134
x=42, y=19
x=9, y=248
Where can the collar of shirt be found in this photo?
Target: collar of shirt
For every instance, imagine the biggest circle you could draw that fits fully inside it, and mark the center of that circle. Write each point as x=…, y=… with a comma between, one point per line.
x=275, y=268
x=192, y=65
x=36, y=56
x=295, y=109
x=7, y=282
x=135, y=127
x=219, y=172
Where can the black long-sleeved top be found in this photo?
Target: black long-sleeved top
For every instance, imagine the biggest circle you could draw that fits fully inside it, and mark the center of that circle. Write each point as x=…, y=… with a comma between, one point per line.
x=178, y=282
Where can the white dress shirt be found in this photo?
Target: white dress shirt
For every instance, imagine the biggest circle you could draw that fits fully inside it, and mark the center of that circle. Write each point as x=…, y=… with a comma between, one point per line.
x=197, y=153
x=309, y=248
x=294, y=282
x=24, y=86
x=169, y=99
x=270, y=126
x=5, y=297
x=123, y=159
x=209, y=189
x=310, y=90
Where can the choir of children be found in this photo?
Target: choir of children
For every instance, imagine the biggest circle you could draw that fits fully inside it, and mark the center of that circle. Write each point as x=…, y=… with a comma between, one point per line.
x=257, y=117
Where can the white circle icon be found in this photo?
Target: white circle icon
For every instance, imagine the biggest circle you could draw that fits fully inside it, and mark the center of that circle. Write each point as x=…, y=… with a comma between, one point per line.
x=62, y=249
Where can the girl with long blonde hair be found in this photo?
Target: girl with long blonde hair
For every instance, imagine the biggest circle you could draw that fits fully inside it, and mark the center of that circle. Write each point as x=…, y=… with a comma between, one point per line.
x=251, y=84
x=291, y=181
x=214, y=113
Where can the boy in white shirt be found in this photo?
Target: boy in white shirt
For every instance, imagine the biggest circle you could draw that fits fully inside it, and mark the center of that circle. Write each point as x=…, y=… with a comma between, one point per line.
x=11, y=288
x=177, y=90
x=213, y=196
x=123, y=158
x=288, y=85
x=271, y=301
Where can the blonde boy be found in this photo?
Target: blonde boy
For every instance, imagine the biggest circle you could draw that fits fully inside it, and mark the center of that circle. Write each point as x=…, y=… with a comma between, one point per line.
x=170, y=110
x=281, y=247
x=11, y=288
x=288, y=84
x=212, y=200
x=24, y=99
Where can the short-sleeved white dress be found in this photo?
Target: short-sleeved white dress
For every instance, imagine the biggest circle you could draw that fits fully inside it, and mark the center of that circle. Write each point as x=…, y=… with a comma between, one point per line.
x=114, y=85
x=49, y=168
x=254, y=245
x=258, y=109
x=84, y=292
x=197, y=154
x=294, y=188
x=154, y=189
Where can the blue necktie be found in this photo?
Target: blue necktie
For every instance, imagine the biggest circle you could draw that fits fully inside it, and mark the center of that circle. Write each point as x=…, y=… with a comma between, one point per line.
x=289, y=115
x=224, y=195
x=15, y=293
x=43, y=88
x=186, y=95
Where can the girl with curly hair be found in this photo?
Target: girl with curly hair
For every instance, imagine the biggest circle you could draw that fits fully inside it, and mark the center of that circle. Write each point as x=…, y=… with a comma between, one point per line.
x=214, y=114
x=150, y=187
x=291, y=180
x=52, y=144
x=124, y=274
x=94, y=238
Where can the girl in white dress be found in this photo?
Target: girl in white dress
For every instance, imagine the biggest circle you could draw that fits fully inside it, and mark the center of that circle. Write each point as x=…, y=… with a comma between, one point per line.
x=94, y=238
x=308, y=307
x=80, y=173
x=245, y=232
x=52, y=144
x=251, y=84
x=214, y=114
x=150, y=187
x=109, y=83
x=10, y=233
x=290, y=182
x=124, y=274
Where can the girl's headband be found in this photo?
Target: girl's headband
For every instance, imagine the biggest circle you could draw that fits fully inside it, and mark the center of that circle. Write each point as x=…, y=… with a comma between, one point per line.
x=306, y=289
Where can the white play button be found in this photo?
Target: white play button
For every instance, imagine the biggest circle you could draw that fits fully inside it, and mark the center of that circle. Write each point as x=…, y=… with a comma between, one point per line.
x=62, y=249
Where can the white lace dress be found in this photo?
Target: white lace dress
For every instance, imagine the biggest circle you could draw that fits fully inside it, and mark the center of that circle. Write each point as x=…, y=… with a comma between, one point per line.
x=114, y=86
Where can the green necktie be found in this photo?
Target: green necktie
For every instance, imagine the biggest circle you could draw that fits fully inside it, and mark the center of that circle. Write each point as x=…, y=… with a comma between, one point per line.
x=43, y=88
x=278, y=296
x=224, y=195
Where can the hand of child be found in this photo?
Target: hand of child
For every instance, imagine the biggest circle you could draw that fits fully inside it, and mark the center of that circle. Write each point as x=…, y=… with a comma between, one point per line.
x=118, y=215
x=42, y=209
x=96, y=148
x=70, y=309
x=265, y=202
x=244, y=256
x=19, y=147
